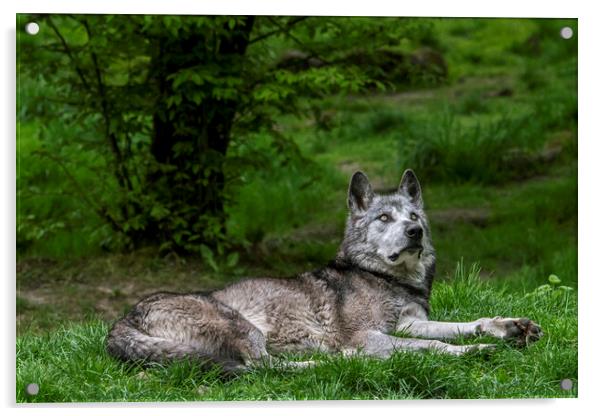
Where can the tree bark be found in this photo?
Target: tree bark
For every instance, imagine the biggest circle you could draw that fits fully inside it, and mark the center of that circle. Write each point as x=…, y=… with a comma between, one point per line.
x=203, y=128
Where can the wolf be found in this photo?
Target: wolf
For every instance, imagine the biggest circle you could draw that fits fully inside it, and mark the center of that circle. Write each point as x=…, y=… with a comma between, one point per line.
x=378, y=285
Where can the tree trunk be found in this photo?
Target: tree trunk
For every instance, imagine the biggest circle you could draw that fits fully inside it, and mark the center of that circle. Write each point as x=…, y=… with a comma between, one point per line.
x=193, y=137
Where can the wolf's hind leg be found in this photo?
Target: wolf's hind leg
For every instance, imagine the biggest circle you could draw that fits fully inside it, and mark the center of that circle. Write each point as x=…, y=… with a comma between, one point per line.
x=381, y=345
x=167, y=327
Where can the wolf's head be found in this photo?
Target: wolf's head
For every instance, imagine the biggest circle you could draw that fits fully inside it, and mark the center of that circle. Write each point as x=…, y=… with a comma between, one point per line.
x=388, y=233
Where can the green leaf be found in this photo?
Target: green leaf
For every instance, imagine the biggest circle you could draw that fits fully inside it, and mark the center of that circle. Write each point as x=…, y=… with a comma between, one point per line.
x=207, y=255
x=178, y=79
x=159, y=212
x=196, y=97
x=232, y=259
x=166, y=246
x=553, y=279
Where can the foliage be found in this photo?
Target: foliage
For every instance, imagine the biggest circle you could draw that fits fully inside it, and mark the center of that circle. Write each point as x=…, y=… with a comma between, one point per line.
x=155, y=102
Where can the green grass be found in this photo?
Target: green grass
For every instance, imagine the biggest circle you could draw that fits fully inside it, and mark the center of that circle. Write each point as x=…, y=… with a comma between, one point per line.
x=276, y=203
x=528, y=226
x=71, y=365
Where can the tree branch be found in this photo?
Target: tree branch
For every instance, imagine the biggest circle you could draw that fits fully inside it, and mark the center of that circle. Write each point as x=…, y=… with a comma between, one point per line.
x=280, y=29
x=286, y=31
x=121, y=170
x=100, y=211
x=67, y=50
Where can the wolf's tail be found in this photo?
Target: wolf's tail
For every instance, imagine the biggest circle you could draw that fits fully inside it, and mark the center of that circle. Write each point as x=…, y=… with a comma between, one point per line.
x=128, y=343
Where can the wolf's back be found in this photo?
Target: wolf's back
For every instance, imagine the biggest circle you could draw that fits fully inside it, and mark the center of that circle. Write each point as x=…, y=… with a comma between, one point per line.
x=128, y=343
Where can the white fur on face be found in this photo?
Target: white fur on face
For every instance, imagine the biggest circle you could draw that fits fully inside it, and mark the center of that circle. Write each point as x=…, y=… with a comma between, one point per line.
x=388, y=238
x=370, y=242
x=409, y=260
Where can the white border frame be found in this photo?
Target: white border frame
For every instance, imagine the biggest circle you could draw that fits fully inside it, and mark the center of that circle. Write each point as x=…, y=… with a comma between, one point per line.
x=590, y=207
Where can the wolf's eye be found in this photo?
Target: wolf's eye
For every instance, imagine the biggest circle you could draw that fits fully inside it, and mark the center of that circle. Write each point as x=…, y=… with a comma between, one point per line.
x=413, y=216
x=384, y=218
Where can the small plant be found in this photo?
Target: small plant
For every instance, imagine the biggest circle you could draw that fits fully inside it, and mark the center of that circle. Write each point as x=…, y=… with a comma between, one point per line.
x=553, y=288
x=219, y=263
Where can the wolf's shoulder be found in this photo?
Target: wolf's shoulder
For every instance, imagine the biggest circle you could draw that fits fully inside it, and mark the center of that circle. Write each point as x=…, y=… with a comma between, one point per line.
x=341, y=278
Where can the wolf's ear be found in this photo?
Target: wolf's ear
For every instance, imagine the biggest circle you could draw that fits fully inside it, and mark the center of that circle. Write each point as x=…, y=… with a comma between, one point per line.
x=410, y=187
x=360, y=192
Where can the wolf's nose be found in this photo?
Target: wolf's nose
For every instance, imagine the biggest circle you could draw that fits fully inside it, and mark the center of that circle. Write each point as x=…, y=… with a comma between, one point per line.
x=414, y=232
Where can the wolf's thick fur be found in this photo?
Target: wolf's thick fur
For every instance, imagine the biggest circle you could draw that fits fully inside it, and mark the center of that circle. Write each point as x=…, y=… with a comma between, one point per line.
x=379, y=283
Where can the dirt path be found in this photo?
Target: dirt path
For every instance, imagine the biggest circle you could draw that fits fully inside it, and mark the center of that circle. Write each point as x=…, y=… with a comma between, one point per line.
x=49, y=292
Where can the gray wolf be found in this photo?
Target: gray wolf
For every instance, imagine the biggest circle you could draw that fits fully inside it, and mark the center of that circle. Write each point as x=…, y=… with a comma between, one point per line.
x=379, y=284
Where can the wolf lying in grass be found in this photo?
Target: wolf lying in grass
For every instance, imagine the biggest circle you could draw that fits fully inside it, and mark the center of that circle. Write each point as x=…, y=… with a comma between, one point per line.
x=378, y=284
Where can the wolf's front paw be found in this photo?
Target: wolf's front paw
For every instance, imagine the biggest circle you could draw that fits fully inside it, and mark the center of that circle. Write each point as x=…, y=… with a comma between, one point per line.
x=529, y=331
x=521, y=330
